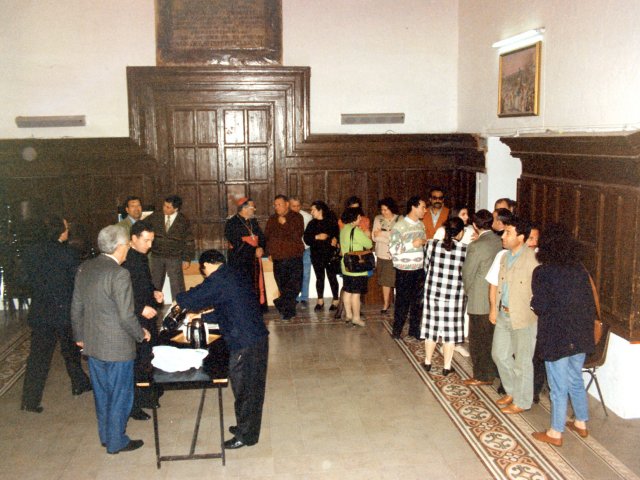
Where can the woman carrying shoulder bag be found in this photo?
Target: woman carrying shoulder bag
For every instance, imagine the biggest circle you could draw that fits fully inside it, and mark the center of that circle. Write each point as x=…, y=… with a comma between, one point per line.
x=355, y=284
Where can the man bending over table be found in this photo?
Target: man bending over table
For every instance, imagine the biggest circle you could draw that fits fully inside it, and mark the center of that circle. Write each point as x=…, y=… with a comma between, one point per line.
x=237, y=312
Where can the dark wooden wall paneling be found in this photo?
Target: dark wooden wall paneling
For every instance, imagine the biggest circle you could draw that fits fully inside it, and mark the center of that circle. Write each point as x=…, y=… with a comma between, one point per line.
x=213, y=134
x=84, y=179
x=592, y=184
x=166, y=103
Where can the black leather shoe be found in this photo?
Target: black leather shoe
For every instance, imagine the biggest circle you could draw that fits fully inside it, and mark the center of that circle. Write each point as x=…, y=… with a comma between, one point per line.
x=233, y=429
x=447, y=371
x=139, y=414
x=26, y=408
x=233, y=444
x=318, y=307
x=133, y=445
x=501, y=390
x=80, y=390
x=427, y=367
x=333, y=308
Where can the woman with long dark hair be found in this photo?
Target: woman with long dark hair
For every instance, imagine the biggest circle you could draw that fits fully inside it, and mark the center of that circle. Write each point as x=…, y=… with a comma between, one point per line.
x=322, y=235
x=563, y=300
x=444, y=300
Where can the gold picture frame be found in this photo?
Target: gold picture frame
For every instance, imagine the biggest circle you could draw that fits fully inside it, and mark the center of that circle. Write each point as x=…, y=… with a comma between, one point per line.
x=519, y=82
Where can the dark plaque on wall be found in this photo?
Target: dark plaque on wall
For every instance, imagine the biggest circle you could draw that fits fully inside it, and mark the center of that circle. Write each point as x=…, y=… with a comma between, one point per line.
x=218, y=32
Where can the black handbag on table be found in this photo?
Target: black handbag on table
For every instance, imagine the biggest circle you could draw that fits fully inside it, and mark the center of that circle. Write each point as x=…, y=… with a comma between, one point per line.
x=360, y=261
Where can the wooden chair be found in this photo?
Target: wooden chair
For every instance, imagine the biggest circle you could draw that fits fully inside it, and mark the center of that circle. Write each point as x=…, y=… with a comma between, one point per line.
x=595, y=361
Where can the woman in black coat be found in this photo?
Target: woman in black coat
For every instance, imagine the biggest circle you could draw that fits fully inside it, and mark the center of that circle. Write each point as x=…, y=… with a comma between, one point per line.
x=322, y=235
x=563, y=300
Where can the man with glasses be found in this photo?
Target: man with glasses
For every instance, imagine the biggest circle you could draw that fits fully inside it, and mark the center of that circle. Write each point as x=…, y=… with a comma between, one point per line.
x=436, y=214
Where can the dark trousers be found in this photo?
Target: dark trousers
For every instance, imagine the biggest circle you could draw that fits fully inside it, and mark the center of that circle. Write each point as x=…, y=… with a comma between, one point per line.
x=320, y=265
x=248, y=375
x=409, y=291
x=43, y=343
x=173, y=268
x=480, y=341
x=113, y=396
x=288, y=275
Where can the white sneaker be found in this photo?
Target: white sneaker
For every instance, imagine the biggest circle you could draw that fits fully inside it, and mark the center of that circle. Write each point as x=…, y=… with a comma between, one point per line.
x=461, y=349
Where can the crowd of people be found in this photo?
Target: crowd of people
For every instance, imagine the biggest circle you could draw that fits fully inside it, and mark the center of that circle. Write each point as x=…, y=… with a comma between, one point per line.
x=518, y=294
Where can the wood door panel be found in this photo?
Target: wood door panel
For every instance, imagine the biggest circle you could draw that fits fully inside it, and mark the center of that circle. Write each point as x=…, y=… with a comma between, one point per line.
x=183, y=124
x=207, y=127
x=258, y=163
x=185, y=164
x=235, y=164
x=209, y=201
x=261, y=195
x=211, y=235
x=189, y=195
x=259, y=126
x=207, y=164
x=234, y=126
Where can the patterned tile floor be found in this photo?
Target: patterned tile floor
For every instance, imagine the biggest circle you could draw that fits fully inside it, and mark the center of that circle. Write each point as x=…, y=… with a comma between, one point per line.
x=342, y=402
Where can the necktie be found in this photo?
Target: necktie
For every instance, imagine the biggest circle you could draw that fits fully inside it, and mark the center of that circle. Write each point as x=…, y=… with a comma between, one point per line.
x=167, y=224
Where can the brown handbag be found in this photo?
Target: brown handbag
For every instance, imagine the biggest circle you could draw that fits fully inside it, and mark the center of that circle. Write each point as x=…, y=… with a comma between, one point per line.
x=360, y=261
x=597, y=323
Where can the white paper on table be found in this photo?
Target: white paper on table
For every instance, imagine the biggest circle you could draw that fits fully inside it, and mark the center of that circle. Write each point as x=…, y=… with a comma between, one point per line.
x=173, y=359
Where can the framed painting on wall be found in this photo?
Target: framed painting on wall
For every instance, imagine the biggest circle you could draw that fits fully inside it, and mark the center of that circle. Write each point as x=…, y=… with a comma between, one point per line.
x=519, y=82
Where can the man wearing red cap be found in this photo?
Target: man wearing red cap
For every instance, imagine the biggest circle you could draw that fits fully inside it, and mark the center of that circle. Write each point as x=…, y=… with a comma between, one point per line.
x=246, y=246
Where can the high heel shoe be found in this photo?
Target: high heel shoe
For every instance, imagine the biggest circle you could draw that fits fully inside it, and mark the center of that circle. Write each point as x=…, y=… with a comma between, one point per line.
x=334, y=305
x=358, y=322
x=384, y=310
x=319, y=307
x=427, y=366
x=447, y=371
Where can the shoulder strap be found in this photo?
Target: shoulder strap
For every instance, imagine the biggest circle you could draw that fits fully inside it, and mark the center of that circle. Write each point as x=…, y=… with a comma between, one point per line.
x=596, y=297
x=353, y=230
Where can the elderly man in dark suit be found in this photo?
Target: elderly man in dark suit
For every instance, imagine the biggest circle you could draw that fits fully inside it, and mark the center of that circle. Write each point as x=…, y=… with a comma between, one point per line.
x=50, y=267
x=146, y=300
x=480, y=255
x=238, y=313
x=173, y=246
x=105, y=325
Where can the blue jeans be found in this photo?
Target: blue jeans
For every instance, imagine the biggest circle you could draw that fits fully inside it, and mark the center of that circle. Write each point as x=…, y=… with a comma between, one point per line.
x=306, y=275
x=113, y=396
x=565, y=381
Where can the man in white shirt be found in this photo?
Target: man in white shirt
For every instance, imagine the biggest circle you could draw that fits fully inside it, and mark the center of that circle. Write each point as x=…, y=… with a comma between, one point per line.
x=295, y=205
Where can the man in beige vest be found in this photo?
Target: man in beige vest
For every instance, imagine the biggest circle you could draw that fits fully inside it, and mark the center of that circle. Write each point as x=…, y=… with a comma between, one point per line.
x=514, y=338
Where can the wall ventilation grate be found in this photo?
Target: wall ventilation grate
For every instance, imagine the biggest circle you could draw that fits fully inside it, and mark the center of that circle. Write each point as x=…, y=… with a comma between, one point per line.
x=371, y=118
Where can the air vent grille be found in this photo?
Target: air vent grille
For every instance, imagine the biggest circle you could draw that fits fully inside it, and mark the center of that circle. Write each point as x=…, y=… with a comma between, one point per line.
x=371, y=118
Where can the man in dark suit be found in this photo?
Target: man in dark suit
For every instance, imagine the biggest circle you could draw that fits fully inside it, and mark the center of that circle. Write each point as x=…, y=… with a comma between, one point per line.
x=50, y=267
x=105, y=325
x=145, y=299
x=237, y=312
x=173, y=246
x=480, y=255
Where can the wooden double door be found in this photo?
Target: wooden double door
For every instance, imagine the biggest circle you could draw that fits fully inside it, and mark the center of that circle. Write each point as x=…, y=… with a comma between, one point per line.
x=218, y=153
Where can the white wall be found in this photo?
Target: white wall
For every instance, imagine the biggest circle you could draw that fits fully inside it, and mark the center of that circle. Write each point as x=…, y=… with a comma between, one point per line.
x=375, y=56
x=589, y=64
x=68, y=57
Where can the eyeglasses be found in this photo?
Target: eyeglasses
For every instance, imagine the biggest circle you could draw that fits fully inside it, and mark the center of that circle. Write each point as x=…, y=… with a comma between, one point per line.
x=433, y=197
